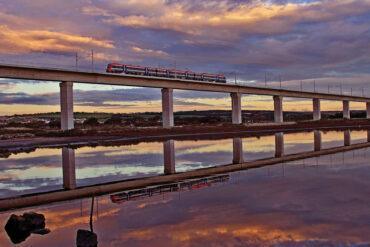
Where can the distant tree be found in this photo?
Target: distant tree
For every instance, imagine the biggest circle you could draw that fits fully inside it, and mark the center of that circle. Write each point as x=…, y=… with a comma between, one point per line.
x=54, y=124
x=154, y=119
x=117, y=120
x=36, y=124
x=91, y=121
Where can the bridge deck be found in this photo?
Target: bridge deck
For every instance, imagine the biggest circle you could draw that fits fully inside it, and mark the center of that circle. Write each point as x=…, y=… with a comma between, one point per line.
x=52, y=74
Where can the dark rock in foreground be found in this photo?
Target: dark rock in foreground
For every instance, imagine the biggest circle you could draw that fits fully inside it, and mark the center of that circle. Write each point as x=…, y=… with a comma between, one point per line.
x=86, y=239
x=19, y=228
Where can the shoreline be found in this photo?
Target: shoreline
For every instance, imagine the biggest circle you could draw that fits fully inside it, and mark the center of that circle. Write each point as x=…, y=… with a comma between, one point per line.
x=136, y=135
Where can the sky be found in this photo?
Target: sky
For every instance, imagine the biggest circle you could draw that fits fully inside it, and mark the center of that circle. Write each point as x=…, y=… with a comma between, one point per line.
x=251, y=42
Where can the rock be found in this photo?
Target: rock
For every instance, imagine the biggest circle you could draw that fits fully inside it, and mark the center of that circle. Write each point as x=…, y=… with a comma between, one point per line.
x=86, y=239
x=19, y=228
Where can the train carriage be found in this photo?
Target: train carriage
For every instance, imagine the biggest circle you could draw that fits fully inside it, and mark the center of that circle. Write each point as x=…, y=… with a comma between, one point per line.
x=160, y=72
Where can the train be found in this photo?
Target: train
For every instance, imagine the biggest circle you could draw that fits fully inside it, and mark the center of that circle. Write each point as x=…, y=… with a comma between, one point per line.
x=181, y=186
x=161, y=72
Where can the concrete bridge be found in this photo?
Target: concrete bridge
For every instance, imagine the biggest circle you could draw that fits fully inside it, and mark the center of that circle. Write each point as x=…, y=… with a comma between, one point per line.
x=71, y=190
x=68, y=77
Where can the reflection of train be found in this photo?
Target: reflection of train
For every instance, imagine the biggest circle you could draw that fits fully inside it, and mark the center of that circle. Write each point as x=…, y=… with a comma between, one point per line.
x=158, y=72
x=186, y=185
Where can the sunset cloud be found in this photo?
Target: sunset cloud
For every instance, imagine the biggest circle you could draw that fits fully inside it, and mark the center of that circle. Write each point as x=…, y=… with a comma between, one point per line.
x=215, y=18
x=25, y=41
x=323, y=40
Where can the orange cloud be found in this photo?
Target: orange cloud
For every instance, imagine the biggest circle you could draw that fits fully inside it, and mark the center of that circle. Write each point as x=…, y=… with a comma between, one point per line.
x=25, y=41
x=255, y=17
x=149, y=52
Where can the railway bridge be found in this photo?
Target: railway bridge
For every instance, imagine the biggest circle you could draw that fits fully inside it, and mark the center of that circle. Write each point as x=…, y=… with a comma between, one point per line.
x=68, y=77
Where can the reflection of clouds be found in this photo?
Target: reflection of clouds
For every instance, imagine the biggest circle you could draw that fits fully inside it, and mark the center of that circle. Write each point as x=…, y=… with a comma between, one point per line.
x=305, y=137
x=125, y=171
x=210, y=146
x=324, y=205
x=41, y=170
x=38, y=153
x=358, y=135
x=261, y=144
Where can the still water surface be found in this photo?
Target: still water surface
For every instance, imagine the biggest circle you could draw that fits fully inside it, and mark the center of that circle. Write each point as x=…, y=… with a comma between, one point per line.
x=321, y=201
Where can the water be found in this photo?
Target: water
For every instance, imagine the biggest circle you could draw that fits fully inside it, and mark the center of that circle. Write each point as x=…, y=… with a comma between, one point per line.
x=318, y=201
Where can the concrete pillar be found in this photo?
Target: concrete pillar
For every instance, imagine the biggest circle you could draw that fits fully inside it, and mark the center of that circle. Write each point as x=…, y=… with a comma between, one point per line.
x=169, y=157
x=316, y=109
x=69, y=170
x=368, y=136
x=346, y=111
x=167, y=108
x=279, y=144
x=66, y=105
x=236, y=106
x=317, y=140
x=347, y=138
x=278, y=109
x=237, y=150
x=368, y=110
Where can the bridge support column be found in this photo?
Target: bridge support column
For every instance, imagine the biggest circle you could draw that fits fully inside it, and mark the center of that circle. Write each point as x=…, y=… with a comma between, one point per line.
x=237, y=150
x=167, y=108
x=236, y=106
x=316, y=109
x=347, y=138
x=69, y=169
x=278, y=109
x=279, y=144
x=368, y=110
x=368, y=135
x=317, y=140
x=169, y=157
x=346, y=111
x=66, y=105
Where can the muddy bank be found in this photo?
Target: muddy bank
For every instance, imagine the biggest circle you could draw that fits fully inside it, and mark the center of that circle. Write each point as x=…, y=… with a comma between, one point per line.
x=135, y=135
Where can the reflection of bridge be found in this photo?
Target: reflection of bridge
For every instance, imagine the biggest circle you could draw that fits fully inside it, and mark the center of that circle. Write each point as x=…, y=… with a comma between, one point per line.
x=68, y=77
x=72, y=191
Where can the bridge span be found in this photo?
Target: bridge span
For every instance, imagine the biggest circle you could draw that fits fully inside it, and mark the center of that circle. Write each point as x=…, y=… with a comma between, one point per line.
x=68, y=77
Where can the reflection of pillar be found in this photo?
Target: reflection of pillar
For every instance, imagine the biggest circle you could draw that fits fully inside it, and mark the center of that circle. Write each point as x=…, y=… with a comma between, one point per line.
x=317, y=140
x=237, y=150
x=368, y=110
x=346, y=111
x=279, y=144
x=167, y=108
x=236, y=108
x=316, y=109
x=69, y=170
x=169, y=157
x=347, y=138
x=66, y=105
x=278, y=109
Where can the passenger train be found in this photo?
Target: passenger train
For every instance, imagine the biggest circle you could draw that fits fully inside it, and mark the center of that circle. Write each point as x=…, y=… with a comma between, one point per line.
x=159, y=72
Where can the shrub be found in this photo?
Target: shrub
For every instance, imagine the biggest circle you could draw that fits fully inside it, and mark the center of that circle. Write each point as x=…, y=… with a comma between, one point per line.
x=114, y=120
x=91, y=121
x=54, y=124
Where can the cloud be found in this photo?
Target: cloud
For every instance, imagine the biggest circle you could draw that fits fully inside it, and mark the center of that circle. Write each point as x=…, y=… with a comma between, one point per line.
x=217, y=18
x=189, y=103
x=321, y=40
x=149, y=52
x=25, y=41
